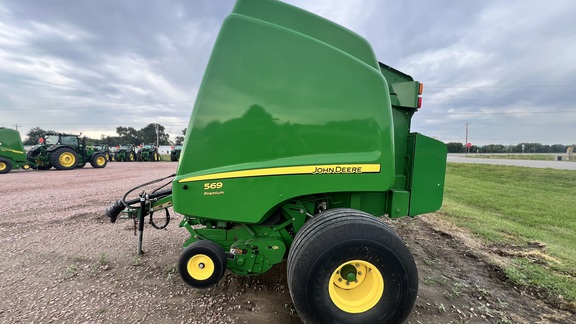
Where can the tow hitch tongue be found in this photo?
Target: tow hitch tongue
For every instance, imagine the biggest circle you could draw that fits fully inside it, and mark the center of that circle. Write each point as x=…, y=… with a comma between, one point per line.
x=139, y=208
x=148, y=203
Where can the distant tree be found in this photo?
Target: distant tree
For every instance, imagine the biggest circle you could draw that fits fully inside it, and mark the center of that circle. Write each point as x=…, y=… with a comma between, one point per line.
x=180, y=139
x=148, y=134
x=454, y=147
x=110, y=140
x=493, y=148
x=34, y=134
x=558, y=148
x=128, y=135
x=531, y=148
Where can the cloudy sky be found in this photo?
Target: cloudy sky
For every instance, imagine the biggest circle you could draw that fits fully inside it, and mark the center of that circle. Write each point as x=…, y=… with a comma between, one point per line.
x=508, y=68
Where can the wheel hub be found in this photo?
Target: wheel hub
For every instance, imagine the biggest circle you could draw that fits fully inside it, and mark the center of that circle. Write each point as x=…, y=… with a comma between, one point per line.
x=356, y=286
x=200, y=267
x=67, y=159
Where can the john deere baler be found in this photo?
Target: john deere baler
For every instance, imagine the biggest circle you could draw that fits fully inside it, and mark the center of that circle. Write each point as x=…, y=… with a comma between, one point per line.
x=12, y=152
x=299, y=141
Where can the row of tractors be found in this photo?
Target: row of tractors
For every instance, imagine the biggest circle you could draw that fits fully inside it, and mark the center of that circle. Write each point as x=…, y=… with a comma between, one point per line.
x=131, y=153
x=67, y=152
x=145, y=152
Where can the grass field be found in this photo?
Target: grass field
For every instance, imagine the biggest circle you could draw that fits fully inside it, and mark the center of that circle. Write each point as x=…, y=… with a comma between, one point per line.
x=527, y=215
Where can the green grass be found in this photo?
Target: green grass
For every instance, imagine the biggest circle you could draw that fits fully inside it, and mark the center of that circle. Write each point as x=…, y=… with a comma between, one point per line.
x=165, y=158
x=513, y=207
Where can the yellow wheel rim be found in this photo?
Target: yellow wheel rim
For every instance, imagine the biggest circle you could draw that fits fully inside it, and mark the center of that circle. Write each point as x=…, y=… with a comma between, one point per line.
x=26, y=167
x=67, y=159
x=100, y=160
x=200, y=267
x=356, y=286
x=2, y=166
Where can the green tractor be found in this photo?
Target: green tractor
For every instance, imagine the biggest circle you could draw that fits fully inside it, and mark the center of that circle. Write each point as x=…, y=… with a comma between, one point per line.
x=64, y=152
x=148, y=152
x=101, y=148
x=12, y=152
x=125, y=152
x=175, y=152
x=298, y=144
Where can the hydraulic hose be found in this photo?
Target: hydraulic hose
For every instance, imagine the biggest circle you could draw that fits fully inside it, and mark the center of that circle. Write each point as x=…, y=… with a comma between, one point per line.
x=133, y=201
x=119, y=205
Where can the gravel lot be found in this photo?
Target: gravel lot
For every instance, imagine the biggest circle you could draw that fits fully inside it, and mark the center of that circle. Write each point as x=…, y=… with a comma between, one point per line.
x=64, y=262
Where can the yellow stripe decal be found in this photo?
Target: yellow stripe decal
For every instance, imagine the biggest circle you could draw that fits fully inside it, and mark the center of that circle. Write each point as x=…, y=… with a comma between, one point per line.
x=9, y=150
x=308, y=169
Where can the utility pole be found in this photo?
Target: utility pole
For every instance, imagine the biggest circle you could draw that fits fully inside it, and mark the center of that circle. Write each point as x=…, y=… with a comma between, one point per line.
x=466, y=143
x=157, y=136
x=16, y=126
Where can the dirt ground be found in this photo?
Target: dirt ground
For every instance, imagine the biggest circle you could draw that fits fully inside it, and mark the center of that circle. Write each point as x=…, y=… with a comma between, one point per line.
x=64, y=262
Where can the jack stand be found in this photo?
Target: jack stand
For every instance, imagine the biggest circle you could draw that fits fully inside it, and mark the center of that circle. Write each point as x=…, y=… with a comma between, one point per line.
x=141, y=221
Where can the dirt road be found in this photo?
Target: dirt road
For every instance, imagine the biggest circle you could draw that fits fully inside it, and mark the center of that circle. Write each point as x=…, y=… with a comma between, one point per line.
x=64, y=262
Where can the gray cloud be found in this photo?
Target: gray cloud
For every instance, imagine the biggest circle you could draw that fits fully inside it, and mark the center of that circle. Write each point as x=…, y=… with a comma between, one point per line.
x=505, y=67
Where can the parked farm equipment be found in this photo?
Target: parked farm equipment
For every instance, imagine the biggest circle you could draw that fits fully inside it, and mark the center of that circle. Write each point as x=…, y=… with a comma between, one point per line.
x=298, y=141
x=175, y=152
x=64, y=152
x=12, y=152
x=101, y=148
x=148, y=152
x=124, y=152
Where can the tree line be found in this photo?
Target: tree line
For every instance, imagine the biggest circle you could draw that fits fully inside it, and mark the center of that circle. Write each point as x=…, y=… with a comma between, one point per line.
x=130, y=135
x=126, y=135
x=455, y=147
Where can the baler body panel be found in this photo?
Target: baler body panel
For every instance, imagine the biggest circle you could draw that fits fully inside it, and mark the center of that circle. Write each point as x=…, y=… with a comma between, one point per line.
x=290, y=105
x=11, y=146
x=428, y=165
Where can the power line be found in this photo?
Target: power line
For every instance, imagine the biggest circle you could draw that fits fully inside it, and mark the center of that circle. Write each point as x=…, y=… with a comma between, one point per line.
x=498, y=86
x=497, y=113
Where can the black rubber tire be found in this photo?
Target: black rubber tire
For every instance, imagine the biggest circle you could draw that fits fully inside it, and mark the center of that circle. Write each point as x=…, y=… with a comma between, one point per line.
x=173, y=157
x=5, y=165
x=332, y=239
x=98, y=161
x=139, y=157
x=212, y=251
x=130, y=157
x=70, y=158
